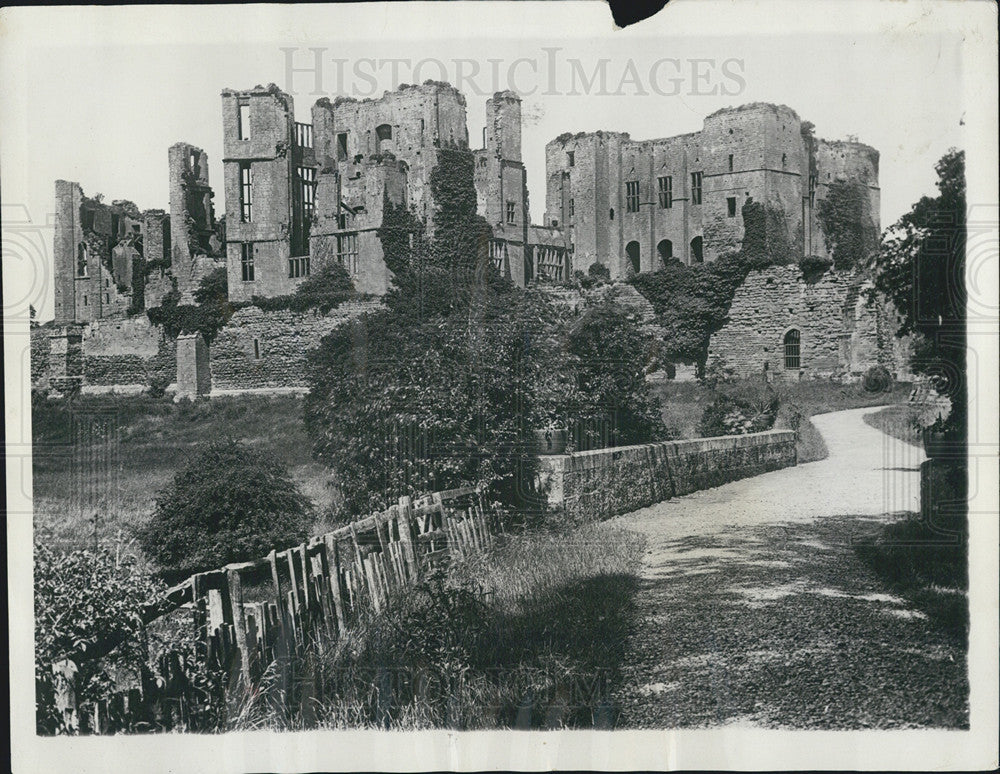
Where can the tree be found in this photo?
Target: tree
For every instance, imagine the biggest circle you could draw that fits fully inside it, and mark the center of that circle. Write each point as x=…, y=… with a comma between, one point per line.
x=231, y=503
x=920, y=267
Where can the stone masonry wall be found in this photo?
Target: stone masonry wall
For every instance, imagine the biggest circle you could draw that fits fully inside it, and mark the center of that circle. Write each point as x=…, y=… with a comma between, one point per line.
x=258, y=349
x=595, y=485
x=838, y=328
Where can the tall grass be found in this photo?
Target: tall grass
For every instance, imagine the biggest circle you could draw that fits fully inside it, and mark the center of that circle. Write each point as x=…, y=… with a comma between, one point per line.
x=899, y=422
x=530, y=635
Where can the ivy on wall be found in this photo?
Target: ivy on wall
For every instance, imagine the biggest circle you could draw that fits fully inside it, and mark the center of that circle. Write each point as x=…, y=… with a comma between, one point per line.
x=845, y=215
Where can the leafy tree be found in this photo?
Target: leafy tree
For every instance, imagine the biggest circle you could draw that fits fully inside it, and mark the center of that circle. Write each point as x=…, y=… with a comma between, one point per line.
x=921, y=269
x=609, y=359
x=207, y=317
x=81, y=599
x=231, y=503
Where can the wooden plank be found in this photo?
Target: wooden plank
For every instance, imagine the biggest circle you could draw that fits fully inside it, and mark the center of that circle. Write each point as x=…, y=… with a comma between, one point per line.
x=405, y=521
x=357, y=550
x=333, y=574
x=290, y=559
x=215, y=615
x=235, y=589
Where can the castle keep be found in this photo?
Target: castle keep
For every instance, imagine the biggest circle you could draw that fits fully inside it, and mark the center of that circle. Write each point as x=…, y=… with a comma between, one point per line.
x=634, y=204
x=301, y=195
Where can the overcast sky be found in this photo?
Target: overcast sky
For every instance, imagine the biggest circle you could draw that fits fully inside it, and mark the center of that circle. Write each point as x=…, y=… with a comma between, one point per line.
x=122, y=85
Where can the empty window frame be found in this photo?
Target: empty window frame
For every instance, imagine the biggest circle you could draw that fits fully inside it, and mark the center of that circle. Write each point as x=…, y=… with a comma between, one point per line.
x=246, y=192
x=347, y=252
x=696, y=188
x=632, y=196
x=243, y=121
x=307, y=183
x=246, y=261
x=511, y=212
x=571, y=158
x=665, y=192
x=731, y=206
x=298, y=267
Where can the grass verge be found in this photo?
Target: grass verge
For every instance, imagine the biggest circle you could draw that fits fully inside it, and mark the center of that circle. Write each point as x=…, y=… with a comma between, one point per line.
x=530, y=635
x=898, y=422
x=927, y=564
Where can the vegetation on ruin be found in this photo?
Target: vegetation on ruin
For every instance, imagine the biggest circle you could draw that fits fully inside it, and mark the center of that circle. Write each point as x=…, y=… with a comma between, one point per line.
x=460, y=366
x=207, y=316
x=740, y=408
x=920, y=267
x=325, y=289
x=231, y=503
x=845, y=215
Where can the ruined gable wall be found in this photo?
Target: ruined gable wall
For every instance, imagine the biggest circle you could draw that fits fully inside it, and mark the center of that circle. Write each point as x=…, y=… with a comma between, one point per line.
x=130, y=351
x=282, y=340
x=836, y=324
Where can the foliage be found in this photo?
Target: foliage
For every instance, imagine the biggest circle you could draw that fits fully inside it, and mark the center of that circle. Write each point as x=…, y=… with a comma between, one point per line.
x=814, y=266
x=231, y=503
x=81, y=598
x=920, y=267
x=609, y=356
x=207, y=317
x=845, y=215
x=441, y=387
x=877, y=379
x=744, y=407
x=599, y=271
x=324, y=290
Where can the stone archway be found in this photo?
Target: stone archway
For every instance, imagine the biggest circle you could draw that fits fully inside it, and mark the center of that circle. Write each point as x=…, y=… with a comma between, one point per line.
x=665, y=249
x=633, y=253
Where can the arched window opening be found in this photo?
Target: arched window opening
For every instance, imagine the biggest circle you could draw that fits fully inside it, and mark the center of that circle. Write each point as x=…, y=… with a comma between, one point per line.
x=665, y=249
x=632, y=251
x=696, y=254
x=793, y=350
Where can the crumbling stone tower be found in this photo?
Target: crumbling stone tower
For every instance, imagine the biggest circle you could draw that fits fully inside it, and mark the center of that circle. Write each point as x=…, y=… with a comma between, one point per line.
x=193, y=236
x=501, y=185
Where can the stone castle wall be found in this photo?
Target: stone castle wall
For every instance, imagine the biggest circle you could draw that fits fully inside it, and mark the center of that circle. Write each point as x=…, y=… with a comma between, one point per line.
x=841, y=334
x=598, y=484
x=261, y=350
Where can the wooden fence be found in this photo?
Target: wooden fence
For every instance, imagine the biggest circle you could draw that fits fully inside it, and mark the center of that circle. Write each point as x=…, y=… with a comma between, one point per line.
x=309, y=596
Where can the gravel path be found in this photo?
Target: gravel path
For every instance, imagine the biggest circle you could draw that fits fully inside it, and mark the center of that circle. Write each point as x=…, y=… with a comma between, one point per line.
x=754, y=609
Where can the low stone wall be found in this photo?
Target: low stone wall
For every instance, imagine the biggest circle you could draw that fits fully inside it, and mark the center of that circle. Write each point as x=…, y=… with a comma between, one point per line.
x=598, y=484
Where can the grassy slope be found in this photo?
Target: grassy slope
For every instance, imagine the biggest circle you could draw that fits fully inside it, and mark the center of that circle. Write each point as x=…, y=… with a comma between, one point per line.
x=898, y=422
x=148, y=440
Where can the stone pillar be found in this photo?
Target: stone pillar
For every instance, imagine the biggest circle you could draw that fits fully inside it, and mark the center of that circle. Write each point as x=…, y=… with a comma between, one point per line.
x=65, y=365
x=194, y=374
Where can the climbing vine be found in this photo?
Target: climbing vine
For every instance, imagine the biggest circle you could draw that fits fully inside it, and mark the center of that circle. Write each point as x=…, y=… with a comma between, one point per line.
x=845, y=215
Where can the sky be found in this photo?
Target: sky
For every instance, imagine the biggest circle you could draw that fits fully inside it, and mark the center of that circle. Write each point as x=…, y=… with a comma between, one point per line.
x=100, y=98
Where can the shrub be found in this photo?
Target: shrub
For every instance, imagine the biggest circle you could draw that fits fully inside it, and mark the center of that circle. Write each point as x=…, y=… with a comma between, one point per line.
x=329, y=287
x=207, y=317
x=814, y=265
x=158, y=386
x=599, y=271
x=82, y=598
x=877, y=379
x=738, y=409
x=231, y=503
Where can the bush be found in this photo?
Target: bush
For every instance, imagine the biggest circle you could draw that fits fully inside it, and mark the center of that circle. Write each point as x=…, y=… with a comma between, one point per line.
x=877, y=379
x=82, y=598
x=158, y=386
x=207, y=317
x=599, y=271
x=814, y=265
x=325, y=290
x=231, y=503
x=739, y=409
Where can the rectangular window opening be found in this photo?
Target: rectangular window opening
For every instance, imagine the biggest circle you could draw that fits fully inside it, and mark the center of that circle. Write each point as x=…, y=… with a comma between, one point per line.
x=666, y=192
x=246, y=261
x=244, y=121
x=632, y=196
x=696, y=188
x=731, y=206
x=298, y=267
x=342, y=146
x=730, y=162
x=511, y=211
x=347, y=252
x=571, y=158
x=246, y=192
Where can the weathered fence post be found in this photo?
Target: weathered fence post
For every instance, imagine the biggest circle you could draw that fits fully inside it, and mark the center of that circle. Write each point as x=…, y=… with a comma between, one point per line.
x=64, y=673
x=406, y=536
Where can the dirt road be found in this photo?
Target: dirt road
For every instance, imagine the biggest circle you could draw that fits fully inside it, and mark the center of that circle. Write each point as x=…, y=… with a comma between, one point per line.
x=755, y=610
